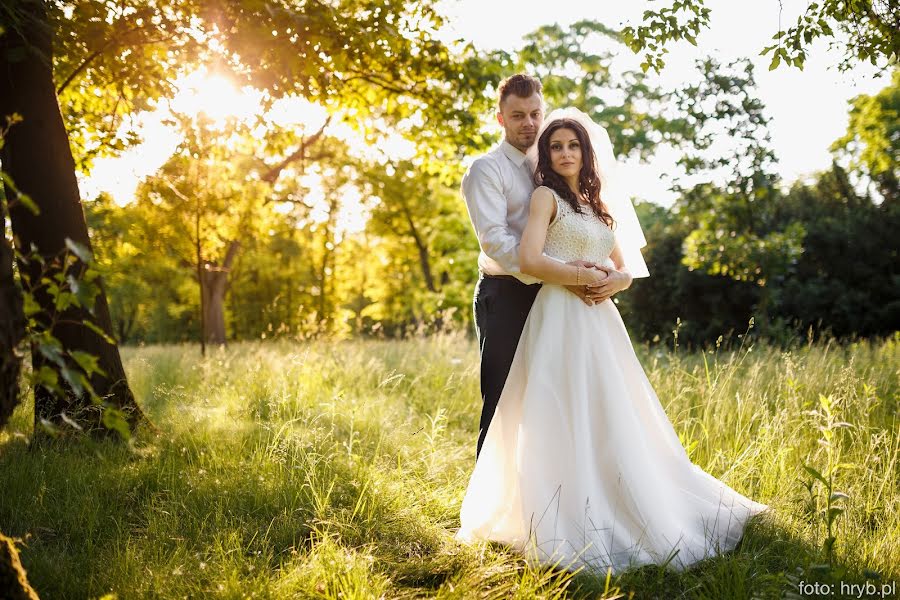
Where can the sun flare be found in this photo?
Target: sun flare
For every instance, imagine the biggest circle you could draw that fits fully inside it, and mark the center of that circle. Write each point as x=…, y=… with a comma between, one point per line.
x=216, y=96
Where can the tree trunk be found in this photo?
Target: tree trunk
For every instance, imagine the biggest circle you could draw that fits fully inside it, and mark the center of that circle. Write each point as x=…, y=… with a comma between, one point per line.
x=37, y=156
x=13, y=581
x=325, y=313
x=200, y=278
x=214, y=287
x=423, y=251
x=12, y=327
x=126, y=325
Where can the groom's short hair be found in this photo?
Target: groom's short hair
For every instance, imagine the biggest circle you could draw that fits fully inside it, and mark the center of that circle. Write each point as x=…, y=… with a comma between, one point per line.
x=521, y=85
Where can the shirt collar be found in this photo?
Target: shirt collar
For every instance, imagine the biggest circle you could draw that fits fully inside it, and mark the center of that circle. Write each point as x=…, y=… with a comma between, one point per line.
x=512, y=153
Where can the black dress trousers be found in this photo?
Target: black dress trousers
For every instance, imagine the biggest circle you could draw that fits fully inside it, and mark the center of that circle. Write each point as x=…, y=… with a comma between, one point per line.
x=501, y=307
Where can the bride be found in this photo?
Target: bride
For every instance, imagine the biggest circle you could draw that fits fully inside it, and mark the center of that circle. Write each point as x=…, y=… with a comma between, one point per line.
x=580, y=465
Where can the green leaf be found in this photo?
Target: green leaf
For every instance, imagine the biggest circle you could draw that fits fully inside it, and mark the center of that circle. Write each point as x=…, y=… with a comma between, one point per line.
x=29, y=305
x=65, y=300
x=48, y=378
x=816, y=474
x=114, y=419
x=79, y=250
x=75, y=379
x=88, y=362
x=836, y=496
x=96, y=329
x=52, y=351
x=85, y=291
x=28, y=203
x=776, y=60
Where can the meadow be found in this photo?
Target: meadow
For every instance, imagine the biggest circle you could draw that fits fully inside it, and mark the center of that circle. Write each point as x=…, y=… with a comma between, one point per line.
x=336, y=470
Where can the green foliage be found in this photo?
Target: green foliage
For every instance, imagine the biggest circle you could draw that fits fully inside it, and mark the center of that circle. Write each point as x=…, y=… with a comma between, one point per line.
x=727, y=251
x=872, y=141
x=827, y=421
x=792, y=260
x=723, y=104
x=69, y=280
x=73, y=282
x=337, y=468
x=574, y=74
x=700, y=307
x=728, y=242
x=112, y=61
x=865, y=31
x=663, y=26
x=426, y=250
x=376, y=61
x=845, y=280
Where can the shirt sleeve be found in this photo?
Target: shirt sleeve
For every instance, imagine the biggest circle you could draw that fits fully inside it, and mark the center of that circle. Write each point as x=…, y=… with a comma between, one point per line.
x=483, y=193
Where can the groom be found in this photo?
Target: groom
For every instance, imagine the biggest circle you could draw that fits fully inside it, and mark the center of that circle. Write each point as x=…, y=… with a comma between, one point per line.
x=497, y=189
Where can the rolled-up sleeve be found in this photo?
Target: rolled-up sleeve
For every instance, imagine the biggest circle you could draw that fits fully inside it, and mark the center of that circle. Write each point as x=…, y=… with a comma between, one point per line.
x=483, y=193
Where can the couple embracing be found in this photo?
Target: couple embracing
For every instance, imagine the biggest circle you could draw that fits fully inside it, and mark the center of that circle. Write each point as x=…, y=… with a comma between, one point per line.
x=577, y=462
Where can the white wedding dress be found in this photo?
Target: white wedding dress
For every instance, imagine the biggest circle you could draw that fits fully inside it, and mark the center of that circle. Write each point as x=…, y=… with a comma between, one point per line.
x=581, y=466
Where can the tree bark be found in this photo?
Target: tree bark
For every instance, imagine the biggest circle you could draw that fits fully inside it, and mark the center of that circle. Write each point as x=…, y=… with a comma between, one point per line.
x=125, y=325
x=423, y=251
x=214, y=287
x=37, y=156
x=13, y=581
x=12, y=327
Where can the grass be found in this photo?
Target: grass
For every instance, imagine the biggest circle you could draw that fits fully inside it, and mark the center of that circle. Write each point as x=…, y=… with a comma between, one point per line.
x=336, y=470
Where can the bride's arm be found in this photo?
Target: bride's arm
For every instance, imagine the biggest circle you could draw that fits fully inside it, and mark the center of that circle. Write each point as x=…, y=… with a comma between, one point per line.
x=618, y=259
x=619, y=278
x=531, y=257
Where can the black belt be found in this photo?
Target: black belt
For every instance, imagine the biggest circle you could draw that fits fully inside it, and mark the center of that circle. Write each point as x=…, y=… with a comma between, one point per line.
x=507, y=277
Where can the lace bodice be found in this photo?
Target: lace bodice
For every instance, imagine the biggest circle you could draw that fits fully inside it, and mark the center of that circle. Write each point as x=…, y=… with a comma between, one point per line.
x=573, y=236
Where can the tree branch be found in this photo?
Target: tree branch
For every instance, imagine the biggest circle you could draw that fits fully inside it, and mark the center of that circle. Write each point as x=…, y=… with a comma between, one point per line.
x=272, y=174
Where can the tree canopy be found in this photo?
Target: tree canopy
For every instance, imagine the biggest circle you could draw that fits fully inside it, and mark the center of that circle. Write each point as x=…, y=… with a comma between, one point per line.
x=863, y=30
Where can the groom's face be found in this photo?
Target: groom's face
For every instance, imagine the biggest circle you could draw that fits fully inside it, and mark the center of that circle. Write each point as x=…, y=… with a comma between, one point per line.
x=521, y=119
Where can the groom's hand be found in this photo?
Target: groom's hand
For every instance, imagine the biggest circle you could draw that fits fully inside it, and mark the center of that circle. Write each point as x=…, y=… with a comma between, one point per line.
x=583, y=291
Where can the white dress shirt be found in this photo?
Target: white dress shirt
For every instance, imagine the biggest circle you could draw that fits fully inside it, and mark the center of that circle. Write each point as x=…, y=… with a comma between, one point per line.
x=497, y=189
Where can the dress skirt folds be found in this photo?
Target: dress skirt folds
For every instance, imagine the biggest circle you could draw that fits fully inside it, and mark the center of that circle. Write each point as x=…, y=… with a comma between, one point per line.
x=581, y=465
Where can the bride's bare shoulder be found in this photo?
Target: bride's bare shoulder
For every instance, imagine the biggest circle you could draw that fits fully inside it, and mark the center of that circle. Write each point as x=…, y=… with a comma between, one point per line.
x=543, y=194
x=544, y=201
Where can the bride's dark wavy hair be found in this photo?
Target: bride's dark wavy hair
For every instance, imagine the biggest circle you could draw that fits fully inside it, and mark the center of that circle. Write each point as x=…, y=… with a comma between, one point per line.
x=588, y=178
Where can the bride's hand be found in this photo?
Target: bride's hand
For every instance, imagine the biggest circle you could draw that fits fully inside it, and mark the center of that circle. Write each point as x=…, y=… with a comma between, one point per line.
x=593, y=277
x=582, y=291
x=615, y=282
